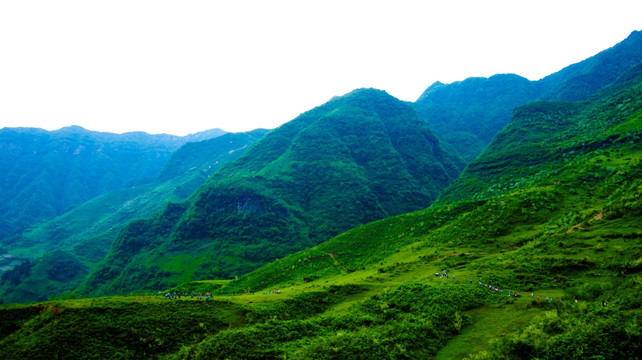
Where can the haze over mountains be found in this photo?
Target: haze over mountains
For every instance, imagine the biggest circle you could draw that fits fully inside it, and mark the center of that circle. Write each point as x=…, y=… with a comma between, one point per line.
x=46, y=173
x=86, y=231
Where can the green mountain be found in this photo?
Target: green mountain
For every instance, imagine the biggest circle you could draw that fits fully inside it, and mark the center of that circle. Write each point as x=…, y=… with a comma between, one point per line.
x=533, y=252
x=358, y=158
x=468, y=114
x=582, y=80
x=551, y=161
x=551, y=208
x=549, y=211
x=86, y=232
x=46, y=173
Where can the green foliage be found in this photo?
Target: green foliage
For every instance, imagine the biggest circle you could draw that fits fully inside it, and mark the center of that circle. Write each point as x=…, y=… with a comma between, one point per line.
x=528, y=216
x=410, y=321
x=587, y=331
x=468, y=114
x=54, y=273
x=550, y=208
x=115, y=329
x=589, y=77
x=99, y=219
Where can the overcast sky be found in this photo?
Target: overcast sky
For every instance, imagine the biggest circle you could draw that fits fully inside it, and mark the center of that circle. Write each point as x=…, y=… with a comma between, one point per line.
x=179, y=67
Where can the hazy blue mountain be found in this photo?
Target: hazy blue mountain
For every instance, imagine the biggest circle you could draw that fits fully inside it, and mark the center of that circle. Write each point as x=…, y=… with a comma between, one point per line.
x=82, y=236
x=467, y=114
x=46, y=173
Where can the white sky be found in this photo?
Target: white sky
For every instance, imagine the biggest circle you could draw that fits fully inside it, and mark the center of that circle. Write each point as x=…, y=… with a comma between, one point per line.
x=180, y=67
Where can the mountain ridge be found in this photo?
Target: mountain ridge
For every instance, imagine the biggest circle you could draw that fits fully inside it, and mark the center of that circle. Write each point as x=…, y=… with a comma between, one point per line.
x=272, y=200
x=468, y=113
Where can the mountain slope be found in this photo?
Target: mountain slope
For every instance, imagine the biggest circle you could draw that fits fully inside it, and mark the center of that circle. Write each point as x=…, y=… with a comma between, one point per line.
x=552, y=208
x=467, y=114
x=45, y=173
x=555, y=164
x=85, y=233
x=187, y=169
x=582, y=80
x=358, y=158
x=550, y=212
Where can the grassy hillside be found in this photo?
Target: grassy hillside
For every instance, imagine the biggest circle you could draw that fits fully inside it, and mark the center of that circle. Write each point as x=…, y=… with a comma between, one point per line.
x=557, y=165
x=550, y=211
x=111, y=328
x=356, y=159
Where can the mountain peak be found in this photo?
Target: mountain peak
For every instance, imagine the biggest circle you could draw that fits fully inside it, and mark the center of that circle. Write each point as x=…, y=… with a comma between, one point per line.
x=362, y=93
x=436, y=85
x=72, y=128
x=366, y=91
x=358, y=158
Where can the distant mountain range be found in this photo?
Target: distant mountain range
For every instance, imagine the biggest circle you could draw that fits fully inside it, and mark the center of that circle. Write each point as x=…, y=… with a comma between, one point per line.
x=469, y=113
x=82, y=236
x=46, y=173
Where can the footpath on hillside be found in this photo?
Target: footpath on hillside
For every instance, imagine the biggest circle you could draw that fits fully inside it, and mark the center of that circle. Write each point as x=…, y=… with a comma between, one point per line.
x=495, y=321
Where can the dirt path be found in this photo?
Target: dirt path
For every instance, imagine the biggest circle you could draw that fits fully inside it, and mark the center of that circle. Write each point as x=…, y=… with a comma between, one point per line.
x=579, y=226
x=332, y=256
